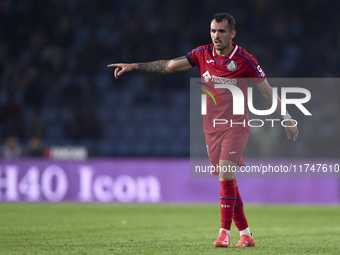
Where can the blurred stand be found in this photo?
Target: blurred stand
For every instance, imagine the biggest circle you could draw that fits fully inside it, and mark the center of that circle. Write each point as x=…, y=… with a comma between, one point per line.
x=36, y=148
x=53, y=57
x=12, y=149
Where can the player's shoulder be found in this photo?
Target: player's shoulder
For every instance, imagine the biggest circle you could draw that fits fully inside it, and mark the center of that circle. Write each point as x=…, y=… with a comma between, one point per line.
x=251, y=61
x=243, y=54
x=202, y=48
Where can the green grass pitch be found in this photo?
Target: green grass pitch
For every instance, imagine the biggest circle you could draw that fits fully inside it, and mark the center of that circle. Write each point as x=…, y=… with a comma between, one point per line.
x=163, y=229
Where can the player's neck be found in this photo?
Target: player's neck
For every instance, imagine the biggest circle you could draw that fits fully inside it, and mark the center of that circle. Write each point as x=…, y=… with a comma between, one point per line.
x=225, y=51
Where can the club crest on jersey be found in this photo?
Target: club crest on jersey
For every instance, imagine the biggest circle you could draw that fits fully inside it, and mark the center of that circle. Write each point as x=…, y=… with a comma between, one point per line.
x=231, y=65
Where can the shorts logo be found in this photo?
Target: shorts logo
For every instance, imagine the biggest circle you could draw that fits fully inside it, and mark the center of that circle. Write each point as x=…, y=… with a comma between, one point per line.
x=231, y=65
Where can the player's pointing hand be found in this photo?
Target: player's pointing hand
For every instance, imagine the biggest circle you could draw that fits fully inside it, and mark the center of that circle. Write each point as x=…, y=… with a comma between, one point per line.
x=122, y=68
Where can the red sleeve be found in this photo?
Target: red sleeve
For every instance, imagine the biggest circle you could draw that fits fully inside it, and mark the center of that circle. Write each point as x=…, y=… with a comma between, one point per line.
x=254, y=71
x=195, y=55
x=192, y=63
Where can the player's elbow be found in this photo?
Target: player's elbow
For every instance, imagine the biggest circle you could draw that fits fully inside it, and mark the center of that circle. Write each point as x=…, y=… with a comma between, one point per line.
x=170, y=68
x=173, y=67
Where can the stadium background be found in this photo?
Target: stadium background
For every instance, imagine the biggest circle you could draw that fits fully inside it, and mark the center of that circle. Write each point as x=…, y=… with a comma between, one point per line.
x=55, y=89
x=55, y=84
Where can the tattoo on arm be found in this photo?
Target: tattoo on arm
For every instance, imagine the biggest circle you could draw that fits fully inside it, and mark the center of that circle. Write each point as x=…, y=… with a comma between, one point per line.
x=153, y=67
x=159, y=66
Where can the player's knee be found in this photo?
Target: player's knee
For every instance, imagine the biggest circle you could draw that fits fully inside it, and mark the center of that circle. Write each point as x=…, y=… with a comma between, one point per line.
x=226, y=175
x=227, y=170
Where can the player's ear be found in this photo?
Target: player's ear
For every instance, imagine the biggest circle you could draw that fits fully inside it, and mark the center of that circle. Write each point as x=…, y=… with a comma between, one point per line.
x=233, y=34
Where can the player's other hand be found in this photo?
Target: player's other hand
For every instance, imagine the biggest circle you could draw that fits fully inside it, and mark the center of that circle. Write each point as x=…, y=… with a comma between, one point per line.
x=290, y=130
x=122, y=68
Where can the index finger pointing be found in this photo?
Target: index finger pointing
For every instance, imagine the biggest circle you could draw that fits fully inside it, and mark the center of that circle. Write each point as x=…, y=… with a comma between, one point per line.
x=112, y=65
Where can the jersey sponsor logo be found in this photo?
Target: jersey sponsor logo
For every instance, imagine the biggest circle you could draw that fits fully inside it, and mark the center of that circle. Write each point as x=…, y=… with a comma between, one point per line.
x=206, y=76
x=217, y=79
x=260, y=71
x=231, y=65
x=209, y=61
x=223, y=80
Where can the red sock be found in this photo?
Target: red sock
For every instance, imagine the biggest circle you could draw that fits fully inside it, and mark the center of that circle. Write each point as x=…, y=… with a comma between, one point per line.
x=239, y=216
x=227, y=202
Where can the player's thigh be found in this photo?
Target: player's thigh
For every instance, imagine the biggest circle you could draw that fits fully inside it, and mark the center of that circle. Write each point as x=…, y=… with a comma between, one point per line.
x=227, y=170
x=233, y=144
x=214, y=150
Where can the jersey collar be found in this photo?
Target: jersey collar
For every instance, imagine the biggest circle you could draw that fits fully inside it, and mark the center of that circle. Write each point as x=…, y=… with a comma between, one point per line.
x=231, y=54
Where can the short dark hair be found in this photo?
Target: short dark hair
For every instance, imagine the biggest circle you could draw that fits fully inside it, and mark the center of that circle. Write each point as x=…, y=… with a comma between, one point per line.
x=219, y=17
